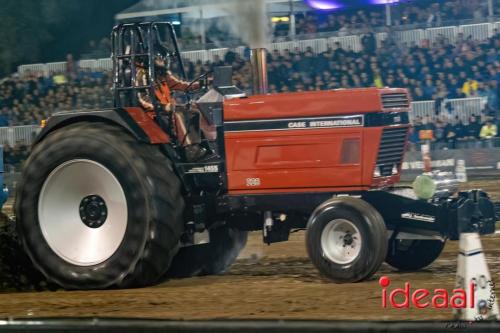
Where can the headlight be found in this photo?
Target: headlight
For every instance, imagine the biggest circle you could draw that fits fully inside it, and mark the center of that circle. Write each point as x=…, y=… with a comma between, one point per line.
x=424, y=187
x=435, y=184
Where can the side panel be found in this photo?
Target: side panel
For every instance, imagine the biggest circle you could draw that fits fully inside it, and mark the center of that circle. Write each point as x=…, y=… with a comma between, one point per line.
x=314, y=141
x=294, y=159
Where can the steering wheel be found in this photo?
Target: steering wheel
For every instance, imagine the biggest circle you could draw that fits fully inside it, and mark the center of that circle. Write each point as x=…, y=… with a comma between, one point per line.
x=198, y=78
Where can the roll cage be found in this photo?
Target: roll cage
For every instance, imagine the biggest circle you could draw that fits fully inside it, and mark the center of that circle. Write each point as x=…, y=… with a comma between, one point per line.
x=134, y=43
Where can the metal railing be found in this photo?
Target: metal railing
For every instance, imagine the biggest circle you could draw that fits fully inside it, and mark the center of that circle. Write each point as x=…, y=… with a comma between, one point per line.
x=18, y=135
x=462, y=108
x=479, y=31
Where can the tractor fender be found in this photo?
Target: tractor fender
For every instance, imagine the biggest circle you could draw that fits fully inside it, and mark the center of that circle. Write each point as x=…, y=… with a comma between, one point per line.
x=333, y=203
x=134, y=120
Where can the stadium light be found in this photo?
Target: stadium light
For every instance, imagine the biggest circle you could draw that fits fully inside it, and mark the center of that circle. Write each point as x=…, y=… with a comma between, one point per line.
x=277, y=19
x=324, y=4
x=337, y=4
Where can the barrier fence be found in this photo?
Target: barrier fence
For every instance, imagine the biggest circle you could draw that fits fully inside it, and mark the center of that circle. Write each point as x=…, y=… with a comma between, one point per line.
x=479, y=31
x=18, y=134
x=462, y=108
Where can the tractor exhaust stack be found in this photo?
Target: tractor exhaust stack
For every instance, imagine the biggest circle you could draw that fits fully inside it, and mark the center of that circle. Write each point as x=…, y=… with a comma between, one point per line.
x=259, y=71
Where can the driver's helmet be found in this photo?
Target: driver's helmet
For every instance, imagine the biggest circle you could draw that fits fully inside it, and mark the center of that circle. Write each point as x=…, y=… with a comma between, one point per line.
x=161, y=63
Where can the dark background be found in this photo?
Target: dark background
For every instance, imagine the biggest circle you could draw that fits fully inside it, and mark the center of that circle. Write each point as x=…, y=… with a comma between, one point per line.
x=41, y=31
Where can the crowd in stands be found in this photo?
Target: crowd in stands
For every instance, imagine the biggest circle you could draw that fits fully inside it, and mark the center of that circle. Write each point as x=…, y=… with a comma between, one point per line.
x=422, y=13
x=427, y=13
x=436, y=72
x=479, y=131
x=27, y=100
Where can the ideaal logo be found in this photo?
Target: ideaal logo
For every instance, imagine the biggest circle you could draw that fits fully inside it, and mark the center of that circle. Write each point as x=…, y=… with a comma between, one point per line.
x=421, y=298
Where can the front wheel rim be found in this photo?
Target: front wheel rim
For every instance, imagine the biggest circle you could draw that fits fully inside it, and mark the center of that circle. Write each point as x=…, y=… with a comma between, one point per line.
x=341, y=241
x=82, y=212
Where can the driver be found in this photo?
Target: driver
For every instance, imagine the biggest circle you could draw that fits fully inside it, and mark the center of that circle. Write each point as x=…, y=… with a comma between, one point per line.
x=186, y=123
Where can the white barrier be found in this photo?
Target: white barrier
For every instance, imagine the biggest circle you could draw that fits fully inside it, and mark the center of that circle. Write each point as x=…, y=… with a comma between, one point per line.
x=317, y=45
x=422, y=109
x=409, y=37
x=435, y=34
x=18, y=134
x=56, y=67
x=33, y=68
x=347, y=42
x=104, y=64
x=480, y=31
x=216, y=52
x=194, y=56
x=462, y=108
x=380, y=37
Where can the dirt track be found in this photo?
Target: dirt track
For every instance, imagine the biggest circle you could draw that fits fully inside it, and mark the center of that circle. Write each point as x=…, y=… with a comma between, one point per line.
x=276, y=281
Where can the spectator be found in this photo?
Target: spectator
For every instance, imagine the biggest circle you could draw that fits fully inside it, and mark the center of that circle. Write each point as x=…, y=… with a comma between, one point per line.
x=369, y=43
x=470, y=87
x=454, y=133
x=488, y=133
x=471, y=132
x=440, y=135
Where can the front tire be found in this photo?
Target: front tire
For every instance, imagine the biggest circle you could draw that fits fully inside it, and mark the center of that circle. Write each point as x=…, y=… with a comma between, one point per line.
x=346, y=239
x=413, y=254
x=97, y=209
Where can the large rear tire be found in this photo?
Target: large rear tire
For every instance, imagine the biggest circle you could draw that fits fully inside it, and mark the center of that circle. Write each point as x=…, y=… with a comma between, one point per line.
x=346, y=239
x=209, y=259
x=413, y=254
x=98, y=209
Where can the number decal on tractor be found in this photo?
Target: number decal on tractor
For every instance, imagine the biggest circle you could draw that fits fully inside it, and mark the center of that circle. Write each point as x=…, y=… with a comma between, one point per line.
x=253, y=182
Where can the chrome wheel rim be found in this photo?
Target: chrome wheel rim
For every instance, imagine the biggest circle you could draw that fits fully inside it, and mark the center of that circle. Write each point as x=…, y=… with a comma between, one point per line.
x=341, y=241
x=82, y=212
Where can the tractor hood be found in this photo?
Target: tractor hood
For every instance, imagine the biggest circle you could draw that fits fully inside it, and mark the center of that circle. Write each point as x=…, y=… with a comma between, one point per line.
x=316, y=104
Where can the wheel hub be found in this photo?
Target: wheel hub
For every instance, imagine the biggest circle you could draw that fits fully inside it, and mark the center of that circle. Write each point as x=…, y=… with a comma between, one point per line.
x=93, y=211
x=341, y=241
x=82, y=212
x=348, y=239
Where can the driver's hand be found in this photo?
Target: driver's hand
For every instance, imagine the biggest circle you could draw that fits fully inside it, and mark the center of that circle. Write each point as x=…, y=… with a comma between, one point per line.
x=195, y=86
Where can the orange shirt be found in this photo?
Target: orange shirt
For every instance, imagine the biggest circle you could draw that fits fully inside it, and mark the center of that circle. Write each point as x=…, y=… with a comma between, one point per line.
x=163, y=93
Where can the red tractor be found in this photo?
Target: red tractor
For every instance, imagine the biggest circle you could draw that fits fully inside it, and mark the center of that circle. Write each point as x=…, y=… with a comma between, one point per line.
x=107, y=198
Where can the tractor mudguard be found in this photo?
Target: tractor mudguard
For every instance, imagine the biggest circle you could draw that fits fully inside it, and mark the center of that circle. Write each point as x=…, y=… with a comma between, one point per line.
x=134, y=120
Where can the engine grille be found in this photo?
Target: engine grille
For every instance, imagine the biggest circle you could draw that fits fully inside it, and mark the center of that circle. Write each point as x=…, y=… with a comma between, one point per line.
x=392, y=146
x=395, y=101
